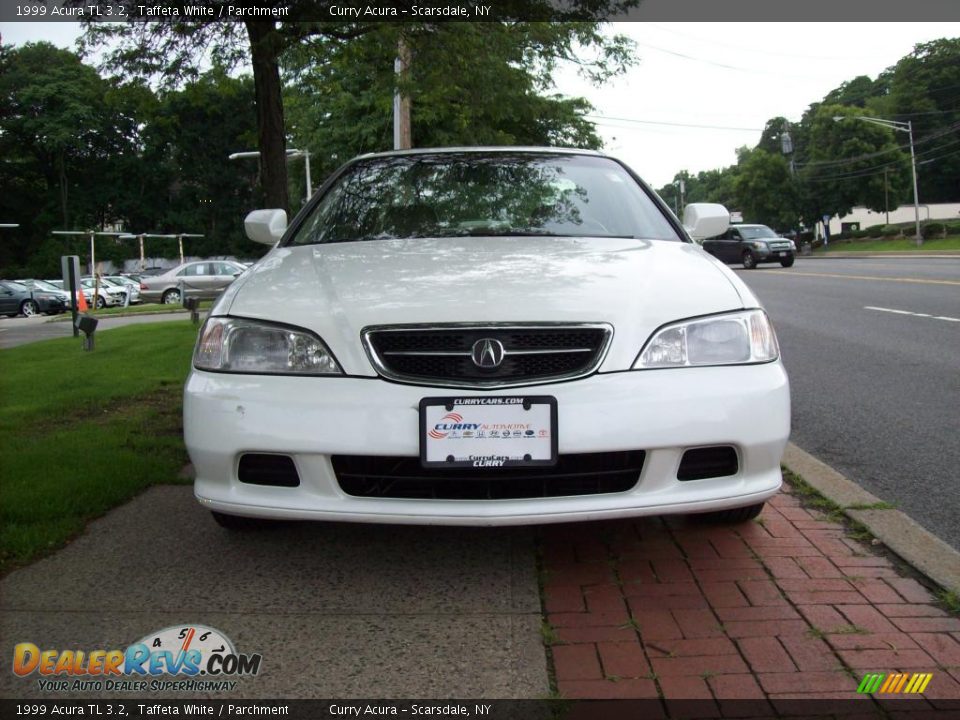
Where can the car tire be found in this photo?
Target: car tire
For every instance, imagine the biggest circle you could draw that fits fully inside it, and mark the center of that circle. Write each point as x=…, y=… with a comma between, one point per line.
x=171, y=297
x=787, y=262
x=101, y=303
x=29, y=308
x=733, y=515
x=749, y=260
x=240, y=523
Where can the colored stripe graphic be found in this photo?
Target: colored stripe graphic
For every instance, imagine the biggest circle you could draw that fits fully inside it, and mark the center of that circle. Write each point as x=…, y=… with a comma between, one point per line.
x=894, y=683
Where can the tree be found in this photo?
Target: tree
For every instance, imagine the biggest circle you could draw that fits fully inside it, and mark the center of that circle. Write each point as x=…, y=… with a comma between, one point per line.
x=923, y=88
x=766, y=191
x=173, y=48
x=340, y=95
x=845, y=164
x=62, y=127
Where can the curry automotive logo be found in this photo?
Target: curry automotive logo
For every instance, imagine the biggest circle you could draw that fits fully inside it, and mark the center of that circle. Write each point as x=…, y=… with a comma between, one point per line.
x=895, y=683
x=450, y=421
x=179, y=650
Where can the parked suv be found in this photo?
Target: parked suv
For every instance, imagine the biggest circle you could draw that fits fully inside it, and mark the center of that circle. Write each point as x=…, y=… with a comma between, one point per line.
x=751, y=244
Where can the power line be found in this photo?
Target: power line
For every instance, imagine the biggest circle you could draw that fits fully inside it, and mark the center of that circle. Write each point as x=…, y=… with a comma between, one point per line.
x=866, y=156
x=671, y=124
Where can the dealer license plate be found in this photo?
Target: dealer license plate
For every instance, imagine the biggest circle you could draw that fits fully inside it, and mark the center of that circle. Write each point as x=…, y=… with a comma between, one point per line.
x=488, y=432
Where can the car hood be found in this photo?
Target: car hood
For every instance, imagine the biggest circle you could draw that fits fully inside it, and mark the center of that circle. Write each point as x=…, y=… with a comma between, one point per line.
x=336, y=290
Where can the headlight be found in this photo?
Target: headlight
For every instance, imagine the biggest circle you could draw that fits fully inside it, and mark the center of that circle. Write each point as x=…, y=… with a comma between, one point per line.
x=247, y=346
x=734, y=339
x=760, y=245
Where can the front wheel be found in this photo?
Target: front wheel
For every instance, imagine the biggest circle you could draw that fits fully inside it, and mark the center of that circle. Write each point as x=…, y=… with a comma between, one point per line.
x=171, y=297
x=733, y=515
x=29, y=308
x=749, y=260
x=101, y=303
x=787, y=262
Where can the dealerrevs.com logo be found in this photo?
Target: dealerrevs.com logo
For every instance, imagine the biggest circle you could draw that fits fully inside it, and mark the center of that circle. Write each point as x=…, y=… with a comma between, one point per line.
x=181, y=657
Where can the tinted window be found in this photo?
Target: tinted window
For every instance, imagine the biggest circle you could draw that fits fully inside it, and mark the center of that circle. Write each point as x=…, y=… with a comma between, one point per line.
x=460, y=194
x=226, y=269
x=195, y=269
x=757, y=231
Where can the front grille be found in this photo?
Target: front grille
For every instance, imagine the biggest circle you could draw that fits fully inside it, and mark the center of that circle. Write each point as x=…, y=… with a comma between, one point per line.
x=445, y=355
x=404, y=477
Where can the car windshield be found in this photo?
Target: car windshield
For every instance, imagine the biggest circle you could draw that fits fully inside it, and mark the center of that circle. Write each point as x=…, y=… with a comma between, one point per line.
x=16, y=287
x=752, y=232
x=473, y=194
x=44, y=285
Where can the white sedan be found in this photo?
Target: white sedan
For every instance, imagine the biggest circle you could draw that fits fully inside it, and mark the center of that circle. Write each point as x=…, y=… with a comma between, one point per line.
x=486, y=337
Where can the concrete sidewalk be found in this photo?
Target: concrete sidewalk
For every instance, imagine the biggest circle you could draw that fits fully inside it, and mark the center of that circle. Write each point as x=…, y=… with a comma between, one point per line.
x=336, y=610
x=786, y=606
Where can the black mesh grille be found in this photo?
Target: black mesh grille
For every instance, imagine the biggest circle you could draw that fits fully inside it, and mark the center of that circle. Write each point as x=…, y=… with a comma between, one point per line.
x=529, y=353
x=708, y=462
x=404, y=477
x=264, y=469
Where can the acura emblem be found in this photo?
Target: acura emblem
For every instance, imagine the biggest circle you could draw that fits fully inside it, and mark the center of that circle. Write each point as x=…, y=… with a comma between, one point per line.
x=487, y=354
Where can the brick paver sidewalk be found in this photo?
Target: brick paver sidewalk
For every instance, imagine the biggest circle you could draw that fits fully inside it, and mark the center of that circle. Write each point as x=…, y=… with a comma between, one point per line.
x=783, y=607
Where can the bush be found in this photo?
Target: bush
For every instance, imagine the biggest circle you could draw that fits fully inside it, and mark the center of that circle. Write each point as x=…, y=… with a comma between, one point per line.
x=860, y=234
x=953, y=228
x=875, y=231
x=890, y=231
x=933, y=230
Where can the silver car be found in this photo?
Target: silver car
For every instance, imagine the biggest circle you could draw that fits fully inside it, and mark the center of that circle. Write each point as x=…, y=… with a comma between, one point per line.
x=204, y=279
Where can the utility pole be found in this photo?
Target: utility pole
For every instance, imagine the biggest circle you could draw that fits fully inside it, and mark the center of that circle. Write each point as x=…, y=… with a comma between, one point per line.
x=401, y=102
x=886, y=195
x=906, y=127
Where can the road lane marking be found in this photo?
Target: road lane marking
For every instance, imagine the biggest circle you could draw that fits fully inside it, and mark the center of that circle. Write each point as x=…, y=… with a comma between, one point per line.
x=914, y=314
x=920, y=281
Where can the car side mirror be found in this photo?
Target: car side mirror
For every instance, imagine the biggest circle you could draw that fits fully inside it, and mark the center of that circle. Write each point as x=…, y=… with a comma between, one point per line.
x=705, y=220
x=266, y=226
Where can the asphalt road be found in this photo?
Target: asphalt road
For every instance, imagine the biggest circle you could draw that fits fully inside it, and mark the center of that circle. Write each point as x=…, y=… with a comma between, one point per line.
x=872, y=347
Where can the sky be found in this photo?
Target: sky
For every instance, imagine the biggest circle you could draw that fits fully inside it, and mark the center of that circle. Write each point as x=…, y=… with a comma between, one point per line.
x=727, y=79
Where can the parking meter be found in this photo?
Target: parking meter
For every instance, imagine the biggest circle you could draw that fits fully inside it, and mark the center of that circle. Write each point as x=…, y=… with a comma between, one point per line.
x=193, y=305
x=87, y=326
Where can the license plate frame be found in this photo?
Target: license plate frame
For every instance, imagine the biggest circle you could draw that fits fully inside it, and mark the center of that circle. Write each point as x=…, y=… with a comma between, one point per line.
x=491, y=452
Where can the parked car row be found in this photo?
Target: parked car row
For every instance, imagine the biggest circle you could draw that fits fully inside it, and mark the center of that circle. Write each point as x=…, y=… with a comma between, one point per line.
x=18, y=299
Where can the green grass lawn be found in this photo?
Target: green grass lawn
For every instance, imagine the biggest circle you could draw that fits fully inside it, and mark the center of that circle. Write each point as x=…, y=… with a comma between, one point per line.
x=893, y=245
x=82, y=432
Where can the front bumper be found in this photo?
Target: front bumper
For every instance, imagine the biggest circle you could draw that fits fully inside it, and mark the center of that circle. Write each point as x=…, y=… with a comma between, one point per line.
x=773, y=255
x=662, y=412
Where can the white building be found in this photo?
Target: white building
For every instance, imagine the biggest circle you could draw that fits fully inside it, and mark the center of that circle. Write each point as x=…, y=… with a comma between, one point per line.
x=944, y=212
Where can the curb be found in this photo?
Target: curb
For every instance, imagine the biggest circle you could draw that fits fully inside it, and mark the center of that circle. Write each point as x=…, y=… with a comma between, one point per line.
x=930, y=555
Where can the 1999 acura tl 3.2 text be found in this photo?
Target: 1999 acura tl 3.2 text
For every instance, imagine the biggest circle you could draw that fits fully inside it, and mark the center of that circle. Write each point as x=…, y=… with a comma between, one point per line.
x=485, y=337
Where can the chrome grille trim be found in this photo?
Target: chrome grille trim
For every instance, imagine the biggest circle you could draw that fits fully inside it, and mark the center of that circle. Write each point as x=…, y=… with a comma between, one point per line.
x=478, y=383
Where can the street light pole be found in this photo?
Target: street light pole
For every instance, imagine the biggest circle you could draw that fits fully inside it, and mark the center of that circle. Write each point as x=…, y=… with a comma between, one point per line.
x=906, y=127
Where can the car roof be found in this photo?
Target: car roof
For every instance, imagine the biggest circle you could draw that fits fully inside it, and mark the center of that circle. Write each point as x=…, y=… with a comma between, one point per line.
x=459, y=150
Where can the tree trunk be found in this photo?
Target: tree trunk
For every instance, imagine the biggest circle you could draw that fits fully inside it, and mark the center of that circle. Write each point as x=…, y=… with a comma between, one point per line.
x=265, y=48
